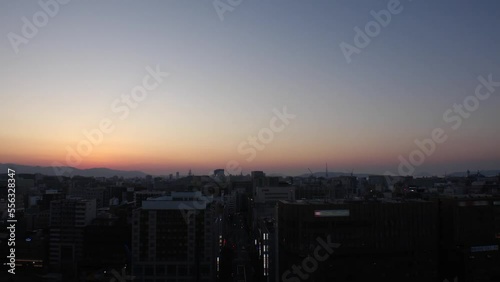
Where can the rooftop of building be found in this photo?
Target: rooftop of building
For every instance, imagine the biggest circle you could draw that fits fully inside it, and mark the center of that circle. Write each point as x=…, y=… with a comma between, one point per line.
x=352, y=201
x=178, y=200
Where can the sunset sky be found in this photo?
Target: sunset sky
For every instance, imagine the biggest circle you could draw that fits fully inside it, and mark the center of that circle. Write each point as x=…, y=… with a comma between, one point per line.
x=227, y=76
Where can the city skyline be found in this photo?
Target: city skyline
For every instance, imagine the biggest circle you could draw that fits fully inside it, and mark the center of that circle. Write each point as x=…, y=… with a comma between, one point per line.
x=249, y=141
x=128, y=174
x=216, y=81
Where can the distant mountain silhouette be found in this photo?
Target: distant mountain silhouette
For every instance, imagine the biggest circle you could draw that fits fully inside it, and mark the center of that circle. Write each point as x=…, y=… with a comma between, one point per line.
x=487, y=173
x=422, y=174
x=71, y=171
x=276, y=174
x=334, y=174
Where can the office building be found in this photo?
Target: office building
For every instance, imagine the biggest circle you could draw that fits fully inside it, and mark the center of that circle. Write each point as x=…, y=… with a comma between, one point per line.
x=174, y=238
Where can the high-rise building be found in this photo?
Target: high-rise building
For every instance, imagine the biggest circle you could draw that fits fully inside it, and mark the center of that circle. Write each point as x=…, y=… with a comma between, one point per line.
x=68, y=218
x=219, y=172
x=470, y=237
x=140, y=196
x=101, y=194
x=174, y=238
x=272, y=194
x=258, y=180
x=381, y=241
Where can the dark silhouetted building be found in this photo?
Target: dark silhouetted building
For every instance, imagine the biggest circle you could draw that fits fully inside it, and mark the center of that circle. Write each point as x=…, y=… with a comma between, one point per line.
x=68, y=219
x=174, y=238
x=379, y=240
x=470, y=238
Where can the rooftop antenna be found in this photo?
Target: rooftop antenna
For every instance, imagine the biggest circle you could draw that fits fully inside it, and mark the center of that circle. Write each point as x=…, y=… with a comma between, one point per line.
x=326, y=174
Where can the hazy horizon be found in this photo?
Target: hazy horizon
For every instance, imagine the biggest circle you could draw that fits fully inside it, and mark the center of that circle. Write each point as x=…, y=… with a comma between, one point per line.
x=226, y=78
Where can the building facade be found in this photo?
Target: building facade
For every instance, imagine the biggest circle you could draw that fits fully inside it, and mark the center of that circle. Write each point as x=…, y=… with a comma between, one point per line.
x=174, y=238
x=68, y=219
x=381, y=241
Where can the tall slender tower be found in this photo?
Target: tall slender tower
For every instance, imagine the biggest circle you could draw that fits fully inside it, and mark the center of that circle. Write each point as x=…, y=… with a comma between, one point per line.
x=326, y=173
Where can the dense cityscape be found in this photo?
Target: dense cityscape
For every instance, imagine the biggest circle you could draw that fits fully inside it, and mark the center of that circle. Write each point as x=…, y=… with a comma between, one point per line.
x=255, y=227
x=249, y=141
